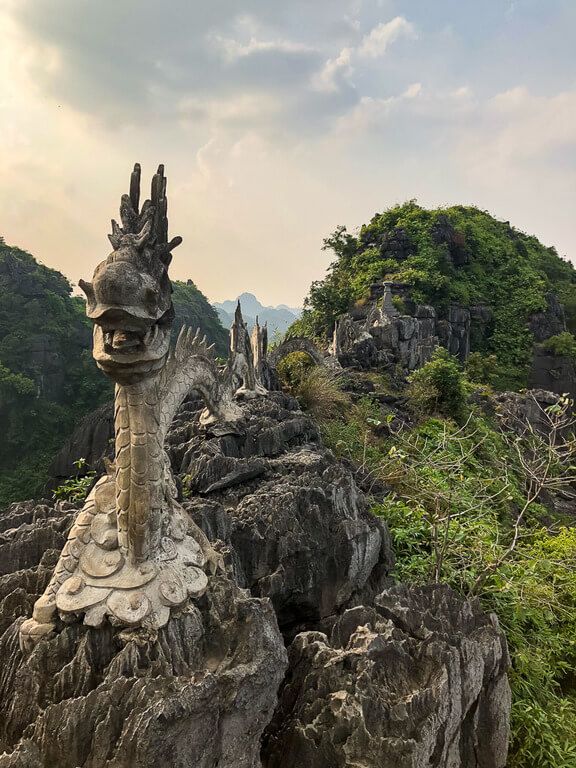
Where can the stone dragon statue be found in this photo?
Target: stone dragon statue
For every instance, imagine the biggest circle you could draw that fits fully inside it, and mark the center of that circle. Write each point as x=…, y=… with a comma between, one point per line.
x=133, y=553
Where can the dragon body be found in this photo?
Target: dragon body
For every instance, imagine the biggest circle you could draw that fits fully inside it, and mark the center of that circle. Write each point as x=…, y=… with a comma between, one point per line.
x=133, y=554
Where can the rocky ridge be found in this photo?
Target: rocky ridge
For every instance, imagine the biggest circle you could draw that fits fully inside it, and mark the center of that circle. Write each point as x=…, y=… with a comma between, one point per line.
x=375, y=671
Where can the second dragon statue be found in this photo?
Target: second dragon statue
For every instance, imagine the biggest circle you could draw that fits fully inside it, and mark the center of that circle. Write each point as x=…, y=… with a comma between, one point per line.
x=133, y=553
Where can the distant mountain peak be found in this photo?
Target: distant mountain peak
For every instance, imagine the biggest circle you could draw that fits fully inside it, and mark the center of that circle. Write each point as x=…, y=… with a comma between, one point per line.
x=278, y=319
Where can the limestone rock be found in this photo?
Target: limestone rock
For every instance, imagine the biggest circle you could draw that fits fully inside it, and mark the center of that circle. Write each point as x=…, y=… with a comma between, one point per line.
x=556, y=373
x=549, y=322
x=28, y=530
x=92, y=440
x=519, y=411
x=444, y=233
x=418, y=681
x=196, y=694
x=298, y=529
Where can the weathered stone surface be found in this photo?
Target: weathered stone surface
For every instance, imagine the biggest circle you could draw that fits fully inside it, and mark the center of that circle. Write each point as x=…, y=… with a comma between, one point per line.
x=29, y=530
x=302, y=533
x=419, y=676
x=550, y=321
x=196, y=694
x=418, y=681
x=443, y=232
x=92, y=440
x=518, y=411
x=454, y=331
x=295, y=344
x=555, y=373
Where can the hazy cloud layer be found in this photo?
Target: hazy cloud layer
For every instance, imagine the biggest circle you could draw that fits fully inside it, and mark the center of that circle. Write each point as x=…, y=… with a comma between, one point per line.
x=279, y=121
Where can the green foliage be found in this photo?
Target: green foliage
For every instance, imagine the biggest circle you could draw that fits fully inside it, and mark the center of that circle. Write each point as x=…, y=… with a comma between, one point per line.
x=319, y=393
x=48, y=380
x=14, y=385
x=481, y=369
x=192, y=308
x=454, y=255
x=76, y=488
x=293, y=368
x=455, y=493
x=438, y=387
x=562, y=344
x=399, y=304
x=317, y=389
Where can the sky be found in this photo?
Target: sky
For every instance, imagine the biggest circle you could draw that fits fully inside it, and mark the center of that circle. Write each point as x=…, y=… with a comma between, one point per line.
x=278, y=121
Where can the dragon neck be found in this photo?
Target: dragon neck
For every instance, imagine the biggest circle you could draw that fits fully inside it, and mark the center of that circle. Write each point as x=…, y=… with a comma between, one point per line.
x=139, y=468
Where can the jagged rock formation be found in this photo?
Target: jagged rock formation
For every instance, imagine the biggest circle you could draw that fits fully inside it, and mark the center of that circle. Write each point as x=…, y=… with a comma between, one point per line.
x=555, y=373
x=549, y=322
x=318, y=543
x=198, y=693
x=298, y=529
x=416, y=681
x=294, y=528
x=519, y=411
x=278, y=319
x=378, y=335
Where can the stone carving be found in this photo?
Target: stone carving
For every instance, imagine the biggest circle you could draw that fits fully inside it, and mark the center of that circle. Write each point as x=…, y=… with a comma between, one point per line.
x=133, y=554
x=388, y=307
x=295, y=344
x=241, y=365
x=259, y=342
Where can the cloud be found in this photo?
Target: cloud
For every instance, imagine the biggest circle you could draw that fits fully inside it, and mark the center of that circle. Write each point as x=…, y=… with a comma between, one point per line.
x=517, y=130
x=377, y=42
x=280, y=122
x=334, y=71
x=337, y=72
x=370, y=113
x=233, y=49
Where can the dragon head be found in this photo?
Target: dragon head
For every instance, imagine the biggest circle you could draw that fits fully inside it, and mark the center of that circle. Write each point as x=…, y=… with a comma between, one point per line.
x=130, y=297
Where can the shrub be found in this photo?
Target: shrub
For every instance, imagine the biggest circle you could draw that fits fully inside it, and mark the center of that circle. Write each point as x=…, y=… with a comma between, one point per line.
x=563, y=344
x=438, y=387
x=293, y=368
x=319, y=393
x=76, y=488
x=317, y=389
x=508, y=270
x=458, y=497
x=399, y=304
x=481, y=369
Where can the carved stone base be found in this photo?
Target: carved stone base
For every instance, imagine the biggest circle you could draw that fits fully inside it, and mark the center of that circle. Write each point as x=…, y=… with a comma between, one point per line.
x=94, y=581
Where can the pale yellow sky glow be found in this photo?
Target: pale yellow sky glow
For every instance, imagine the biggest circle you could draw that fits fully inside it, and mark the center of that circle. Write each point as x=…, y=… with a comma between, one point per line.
x=275, y=127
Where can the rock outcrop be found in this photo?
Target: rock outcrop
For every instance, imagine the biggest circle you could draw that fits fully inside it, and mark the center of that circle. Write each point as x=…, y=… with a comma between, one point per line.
x=379, y=335
x=548, y=371
x=417, y=681
x=91, y=441
x=198, y=693
x=298, y=529
x=379, y=675
x=555, y=373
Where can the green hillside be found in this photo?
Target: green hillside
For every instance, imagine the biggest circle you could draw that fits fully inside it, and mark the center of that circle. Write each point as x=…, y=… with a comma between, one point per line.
x=448, y=255
x=193, y=309
x=48, y=380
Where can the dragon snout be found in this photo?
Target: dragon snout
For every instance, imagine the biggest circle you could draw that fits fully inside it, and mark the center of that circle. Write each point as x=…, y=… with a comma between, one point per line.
x=122, y=339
